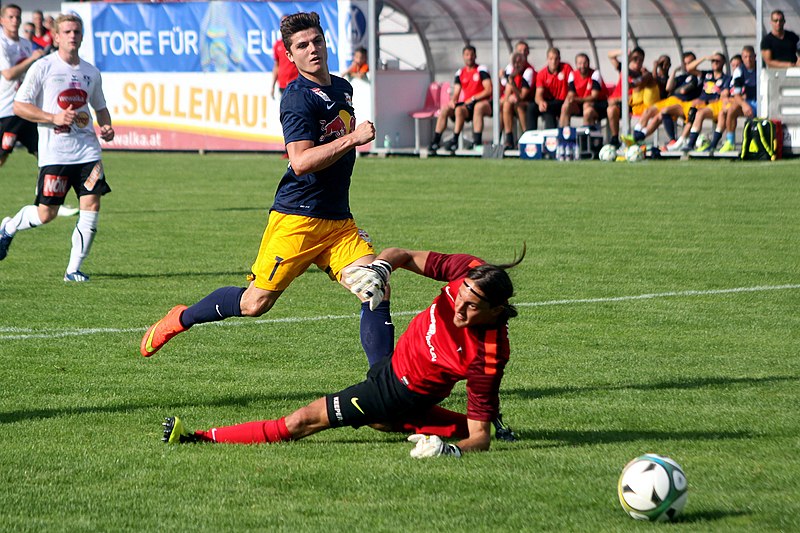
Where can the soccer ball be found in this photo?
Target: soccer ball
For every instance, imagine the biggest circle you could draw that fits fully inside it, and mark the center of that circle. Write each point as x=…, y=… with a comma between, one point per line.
x=652, y=487
x=701, y=140
x=608, y=153
x=634, y=154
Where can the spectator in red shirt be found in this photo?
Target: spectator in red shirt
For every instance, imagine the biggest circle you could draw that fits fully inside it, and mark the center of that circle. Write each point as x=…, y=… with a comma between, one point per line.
x=587, y=96
x=472, y=91
x=463, y=335
x=284, y=72
x=41, y=36
x=551, y=90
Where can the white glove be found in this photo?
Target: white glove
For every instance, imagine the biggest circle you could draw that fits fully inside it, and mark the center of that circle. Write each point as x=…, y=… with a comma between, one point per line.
x=432, y=446
x=369, y=282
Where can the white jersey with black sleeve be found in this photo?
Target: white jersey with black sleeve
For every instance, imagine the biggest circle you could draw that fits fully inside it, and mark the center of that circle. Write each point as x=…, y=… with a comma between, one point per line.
x=53, y=85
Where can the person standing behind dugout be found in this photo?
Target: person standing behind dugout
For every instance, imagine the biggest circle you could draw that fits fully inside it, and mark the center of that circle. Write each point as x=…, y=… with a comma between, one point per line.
x=779, y=46
x=69, y=152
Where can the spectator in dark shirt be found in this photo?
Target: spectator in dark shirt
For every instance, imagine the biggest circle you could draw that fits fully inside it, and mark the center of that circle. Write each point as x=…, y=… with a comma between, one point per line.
x=779, y=47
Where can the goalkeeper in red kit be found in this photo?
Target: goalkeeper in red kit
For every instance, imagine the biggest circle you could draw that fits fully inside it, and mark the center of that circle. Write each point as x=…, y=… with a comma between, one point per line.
x=463, y=335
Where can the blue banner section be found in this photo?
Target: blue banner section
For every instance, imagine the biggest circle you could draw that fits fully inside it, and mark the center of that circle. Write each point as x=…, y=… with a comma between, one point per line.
x=199, y=36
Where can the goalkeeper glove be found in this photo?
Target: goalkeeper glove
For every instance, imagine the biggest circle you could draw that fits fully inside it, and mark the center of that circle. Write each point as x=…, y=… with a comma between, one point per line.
x=369, y=282
x=432, y=446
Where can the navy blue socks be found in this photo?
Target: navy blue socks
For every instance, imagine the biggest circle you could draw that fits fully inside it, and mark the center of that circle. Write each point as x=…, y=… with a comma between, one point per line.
x=222, y=303
x=377, y=332
x=669, y=126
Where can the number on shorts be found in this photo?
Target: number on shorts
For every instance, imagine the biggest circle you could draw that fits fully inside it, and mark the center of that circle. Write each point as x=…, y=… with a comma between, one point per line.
x=275, y=268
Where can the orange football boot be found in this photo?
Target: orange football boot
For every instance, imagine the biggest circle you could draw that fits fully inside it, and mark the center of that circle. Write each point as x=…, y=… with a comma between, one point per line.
x=159, y=333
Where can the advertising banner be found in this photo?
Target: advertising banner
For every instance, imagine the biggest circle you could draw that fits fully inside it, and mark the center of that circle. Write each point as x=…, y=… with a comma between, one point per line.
x=198, y=75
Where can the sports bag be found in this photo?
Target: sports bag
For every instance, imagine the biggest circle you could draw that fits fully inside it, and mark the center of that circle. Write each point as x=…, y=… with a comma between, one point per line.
x=759, y=140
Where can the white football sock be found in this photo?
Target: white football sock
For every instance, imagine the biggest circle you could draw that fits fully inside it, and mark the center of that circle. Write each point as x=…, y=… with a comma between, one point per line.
x=26, y=218
x=82, y=238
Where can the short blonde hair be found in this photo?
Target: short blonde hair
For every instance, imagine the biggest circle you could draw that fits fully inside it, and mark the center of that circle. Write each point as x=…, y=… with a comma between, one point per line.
x=68, y=17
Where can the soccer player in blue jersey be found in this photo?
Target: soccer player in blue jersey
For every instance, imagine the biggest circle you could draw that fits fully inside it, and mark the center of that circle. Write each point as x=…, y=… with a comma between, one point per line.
x=743, y=90
x=310, y=222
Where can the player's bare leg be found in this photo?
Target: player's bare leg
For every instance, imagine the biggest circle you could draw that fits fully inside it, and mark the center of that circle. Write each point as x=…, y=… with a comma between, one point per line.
x=614, y=112
x=522, y=115
x=590, y=115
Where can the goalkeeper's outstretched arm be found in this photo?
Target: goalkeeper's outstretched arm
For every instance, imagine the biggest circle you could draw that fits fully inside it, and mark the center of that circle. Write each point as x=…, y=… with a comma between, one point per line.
x=413, y=260
x=480, y=436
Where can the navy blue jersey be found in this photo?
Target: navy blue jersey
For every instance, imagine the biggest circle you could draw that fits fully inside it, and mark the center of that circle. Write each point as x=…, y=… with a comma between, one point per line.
x=687, y=87
x=713, y=86
x=311, y=112
x=744, y=83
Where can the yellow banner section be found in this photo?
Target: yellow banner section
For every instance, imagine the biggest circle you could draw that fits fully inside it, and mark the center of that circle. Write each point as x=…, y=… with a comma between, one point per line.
x=238, y=105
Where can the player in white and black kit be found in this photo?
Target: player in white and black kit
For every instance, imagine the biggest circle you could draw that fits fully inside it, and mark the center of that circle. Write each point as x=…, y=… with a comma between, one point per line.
x=16, y=57
x=56, y=94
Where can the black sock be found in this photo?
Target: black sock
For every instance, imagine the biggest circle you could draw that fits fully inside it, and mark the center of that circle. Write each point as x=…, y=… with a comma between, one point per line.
x=669, y=126
x=715, y=138
x=693, y=139
x=219, y=305
x=437, y=138
x=377, y=332
x=477, y=138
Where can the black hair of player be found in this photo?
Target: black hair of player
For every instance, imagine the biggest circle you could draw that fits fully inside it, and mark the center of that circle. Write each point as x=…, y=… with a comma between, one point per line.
x=637, y=50
x=495, y=284
x=296, y=23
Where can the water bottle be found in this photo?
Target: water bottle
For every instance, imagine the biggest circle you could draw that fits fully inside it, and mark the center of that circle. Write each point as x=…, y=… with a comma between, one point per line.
x=577, y=152
x=567, y=152
x=560, y=152
x=396, y=139
x=387, y=141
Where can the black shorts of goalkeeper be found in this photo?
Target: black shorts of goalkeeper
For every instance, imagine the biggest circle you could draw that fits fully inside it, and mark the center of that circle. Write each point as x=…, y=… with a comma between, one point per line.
x=380, y=398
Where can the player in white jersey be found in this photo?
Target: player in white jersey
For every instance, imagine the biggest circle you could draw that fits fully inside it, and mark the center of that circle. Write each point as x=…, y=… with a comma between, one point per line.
x=16, y=57
x=56, y=94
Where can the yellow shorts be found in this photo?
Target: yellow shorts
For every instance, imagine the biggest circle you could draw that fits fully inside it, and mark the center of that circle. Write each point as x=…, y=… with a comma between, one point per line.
x=291, y=243
x=673, y=101
x=643, y=97
x=638, y=109
x=715, y=107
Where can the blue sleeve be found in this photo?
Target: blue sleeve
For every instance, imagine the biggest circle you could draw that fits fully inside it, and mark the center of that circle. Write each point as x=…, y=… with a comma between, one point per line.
x=297, y=118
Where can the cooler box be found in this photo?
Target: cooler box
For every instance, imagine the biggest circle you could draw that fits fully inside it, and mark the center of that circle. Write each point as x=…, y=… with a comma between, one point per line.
x=538, y=144
x=543, y=144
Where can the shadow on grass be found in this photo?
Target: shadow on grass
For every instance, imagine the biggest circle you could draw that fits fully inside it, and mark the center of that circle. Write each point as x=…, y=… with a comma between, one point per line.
x=699, y=383
x=168, y=408
x=533, y=438
x=708, y=516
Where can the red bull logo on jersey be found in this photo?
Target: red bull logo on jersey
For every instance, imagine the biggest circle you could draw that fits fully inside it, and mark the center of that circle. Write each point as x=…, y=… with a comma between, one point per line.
x=55, y=185
x=72, y=97
x=343, y=124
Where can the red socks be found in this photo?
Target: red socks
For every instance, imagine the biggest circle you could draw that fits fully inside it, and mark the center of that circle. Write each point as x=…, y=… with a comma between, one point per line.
x=249, y=433
x=437, y=421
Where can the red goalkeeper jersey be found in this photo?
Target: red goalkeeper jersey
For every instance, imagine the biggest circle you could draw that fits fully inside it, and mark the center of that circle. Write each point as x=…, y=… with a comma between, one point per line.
x=433, y=354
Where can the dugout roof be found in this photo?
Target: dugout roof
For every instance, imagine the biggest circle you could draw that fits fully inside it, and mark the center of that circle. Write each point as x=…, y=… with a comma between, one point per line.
x=591, y=26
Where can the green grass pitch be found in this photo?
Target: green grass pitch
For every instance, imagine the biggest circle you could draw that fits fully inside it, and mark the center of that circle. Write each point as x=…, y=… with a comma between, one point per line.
x=658, y=313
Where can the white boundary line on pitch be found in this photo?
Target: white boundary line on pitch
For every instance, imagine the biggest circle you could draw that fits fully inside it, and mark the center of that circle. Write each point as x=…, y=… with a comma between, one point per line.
x=11, y=333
